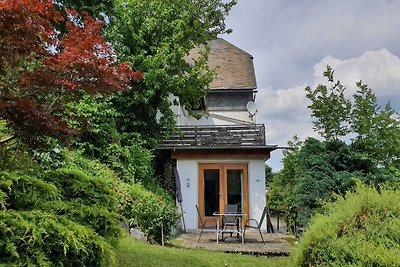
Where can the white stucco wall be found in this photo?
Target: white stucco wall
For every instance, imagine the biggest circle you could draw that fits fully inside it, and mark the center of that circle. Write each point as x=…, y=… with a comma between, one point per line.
x=217, y=117
x=188, y=173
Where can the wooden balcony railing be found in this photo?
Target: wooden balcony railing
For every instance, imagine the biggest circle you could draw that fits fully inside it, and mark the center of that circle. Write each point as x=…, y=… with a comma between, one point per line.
x=216, y=136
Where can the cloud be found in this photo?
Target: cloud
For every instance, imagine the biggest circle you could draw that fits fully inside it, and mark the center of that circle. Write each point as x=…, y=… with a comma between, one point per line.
x=291, y=40
x=285, y=111
x=286, y=37
x=379, y=69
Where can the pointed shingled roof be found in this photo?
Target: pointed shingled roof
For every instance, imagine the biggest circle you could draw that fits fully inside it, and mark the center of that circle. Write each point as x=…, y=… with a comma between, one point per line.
x=235, y=69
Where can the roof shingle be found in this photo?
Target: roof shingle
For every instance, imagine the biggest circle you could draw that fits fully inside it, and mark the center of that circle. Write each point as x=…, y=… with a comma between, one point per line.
x=235, y=69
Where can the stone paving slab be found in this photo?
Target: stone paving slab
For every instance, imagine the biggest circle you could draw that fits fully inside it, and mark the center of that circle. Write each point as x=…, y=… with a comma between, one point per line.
x=275, y=244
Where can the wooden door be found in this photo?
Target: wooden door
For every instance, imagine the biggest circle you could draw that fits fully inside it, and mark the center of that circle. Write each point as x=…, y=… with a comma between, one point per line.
x=221, y=184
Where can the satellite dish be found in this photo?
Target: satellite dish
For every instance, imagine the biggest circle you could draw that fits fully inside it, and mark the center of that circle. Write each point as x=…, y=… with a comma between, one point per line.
x=251, y=108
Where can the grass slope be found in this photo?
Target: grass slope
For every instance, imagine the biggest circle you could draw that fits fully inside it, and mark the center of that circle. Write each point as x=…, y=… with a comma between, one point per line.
x=136, y=253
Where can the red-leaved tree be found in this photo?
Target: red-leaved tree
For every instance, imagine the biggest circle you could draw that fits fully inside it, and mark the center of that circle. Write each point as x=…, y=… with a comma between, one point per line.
x=42, y=68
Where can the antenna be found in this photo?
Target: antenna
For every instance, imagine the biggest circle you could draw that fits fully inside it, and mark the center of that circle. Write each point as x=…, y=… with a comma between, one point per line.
x=251, y=108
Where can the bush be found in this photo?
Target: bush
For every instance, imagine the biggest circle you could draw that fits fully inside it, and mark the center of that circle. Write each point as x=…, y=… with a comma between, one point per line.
x=37, y=238
x=22, y=191
x=74, y=184
x=91, y=201
x=63, y=218
x=149, y=211
x=362, y=229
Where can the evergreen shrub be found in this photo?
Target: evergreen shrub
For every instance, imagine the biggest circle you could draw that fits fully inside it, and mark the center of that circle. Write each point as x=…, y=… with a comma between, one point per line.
x=361, y=229
x=38, y=238
x=88, y=200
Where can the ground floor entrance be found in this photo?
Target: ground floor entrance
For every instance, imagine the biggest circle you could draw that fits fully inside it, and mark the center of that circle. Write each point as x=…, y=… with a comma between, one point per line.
x=220, y=184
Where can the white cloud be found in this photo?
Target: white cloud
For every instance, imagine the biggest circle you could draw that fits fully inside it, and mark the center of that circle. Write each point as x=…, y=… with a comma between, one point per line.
x=291, y=41
x=379, y=69
x=285, y=111
x=286, y=38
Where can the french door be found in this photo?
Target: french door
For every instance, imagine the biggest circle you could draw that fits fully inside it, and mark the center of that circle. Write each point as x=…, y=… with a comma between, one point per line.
x=221, y=184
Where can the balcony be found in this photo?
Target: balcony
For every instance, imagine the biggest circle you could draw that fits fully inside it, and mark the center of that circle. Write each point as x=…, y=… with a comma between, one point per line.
x=216, y=136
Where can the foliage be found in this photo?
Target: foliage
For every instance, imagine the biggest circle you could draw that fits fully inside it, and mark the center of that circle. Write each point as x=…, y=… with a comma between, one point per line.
x=361, y=229
x=25, y=192
x=268, y=175
x=149, y=212
x=42, y=68
x=330, y=108
x=313, y=173
x=89, y=190
x=315, y=170
x=79, y=210
x=38, y=238
x=376, y=128
x=168, y=31
x=124, y=153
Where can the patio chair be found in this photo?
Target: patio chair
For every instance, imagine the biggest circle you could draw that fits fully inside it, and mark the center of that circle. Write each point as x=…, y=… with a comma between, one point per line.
x=257, y=225
x=230, y=221
x=205, y=227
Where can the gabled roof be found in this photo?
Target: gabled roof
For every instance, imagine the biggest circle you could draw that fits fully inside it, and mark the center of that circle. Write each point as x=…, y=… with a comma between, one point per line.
x=235, y=69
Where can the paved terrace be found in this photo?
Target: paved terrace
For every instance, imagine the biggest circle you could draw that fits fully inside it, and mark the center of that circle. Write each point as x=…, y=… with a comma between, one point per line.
x=278, y=244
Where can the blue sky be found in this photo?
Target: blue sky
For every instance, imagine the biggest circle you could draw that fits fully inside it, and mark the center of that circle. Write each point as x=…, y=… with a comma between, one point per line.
x=293, y=41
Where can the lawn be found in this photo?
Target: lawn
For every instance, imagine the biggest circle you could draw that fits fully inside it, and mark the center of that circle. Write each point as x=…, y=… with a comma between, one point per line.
x=136, y=253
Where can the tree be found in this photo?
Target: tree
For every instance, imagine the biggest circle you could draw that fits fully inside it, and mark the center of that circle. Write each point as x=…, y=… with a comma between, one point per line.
x=168, y=31
x=268, y=175
x=42, y=68
x=316, y=171
x=377, y=128
x=330, y=108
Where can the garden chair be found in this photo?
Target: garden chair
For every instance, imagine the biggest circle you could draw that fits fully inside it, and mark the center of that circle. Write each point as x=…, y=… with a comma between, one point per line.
x=204, y=227
x=230, y=221
x=256, y=224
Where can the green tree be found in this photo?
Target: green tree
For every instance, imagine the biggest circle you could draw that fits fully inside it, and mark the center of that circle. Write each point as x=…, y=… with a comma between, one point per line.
x=377, y=128
x=269, y=174
x=314, y=172
x=330, y=108
x=156, y=36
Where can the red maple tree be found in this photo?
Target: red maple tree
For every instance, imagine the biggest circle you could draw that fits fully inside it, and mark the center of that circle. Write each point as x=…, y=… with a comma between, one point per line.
x=41, y=68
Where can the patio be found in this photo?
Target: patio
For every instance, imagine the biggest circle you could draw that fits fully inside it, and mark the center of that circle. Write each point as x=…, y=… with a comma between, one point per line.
x=277, y=244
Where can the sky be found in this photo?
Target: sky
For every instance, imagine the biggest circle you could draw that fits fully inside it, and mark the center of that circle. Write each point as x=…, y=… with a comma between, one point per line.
x=292, y=42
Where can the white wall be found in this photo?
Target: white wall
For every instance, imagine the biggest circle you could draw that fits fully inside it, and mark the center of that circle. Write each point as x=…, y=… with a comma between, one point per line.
x=188, y=173
x=257, y=191
x=221, y=117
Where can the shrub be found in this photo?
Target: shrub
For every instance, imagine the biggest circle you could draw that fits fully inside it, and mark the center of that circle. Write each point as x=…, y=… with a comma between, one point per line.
x=37, y=238
x=149, y=212
x=89, y=200
x=74, y=184
x=361, y=229
x=21, y=191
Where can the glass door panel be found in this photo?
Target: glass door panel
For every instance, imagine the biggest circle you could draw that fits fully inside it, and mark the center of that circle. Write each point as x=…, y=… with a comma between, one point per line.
x=221, y=184
x=235, y=188
x=211, y=191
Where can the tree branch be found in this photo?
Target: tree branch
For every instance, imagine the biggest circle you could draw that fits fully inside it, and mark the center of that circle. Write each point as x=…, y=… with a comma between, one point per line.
x=6, y=140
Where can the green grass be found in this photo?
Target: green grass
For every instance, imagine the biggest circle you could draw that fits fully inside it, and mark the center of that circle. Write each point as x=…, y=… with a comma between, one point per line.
x=136, y=253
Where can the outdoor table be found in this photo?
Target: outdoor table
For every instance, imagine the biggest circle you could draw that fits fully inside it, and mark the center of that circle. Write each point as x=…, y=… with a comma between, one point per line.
x=241, y=223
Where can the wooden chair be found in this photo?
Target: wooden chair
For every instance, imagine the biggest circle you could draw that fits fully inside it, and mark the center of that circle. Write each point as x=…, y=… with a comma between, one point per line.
x=258, y=224
x=204, y=227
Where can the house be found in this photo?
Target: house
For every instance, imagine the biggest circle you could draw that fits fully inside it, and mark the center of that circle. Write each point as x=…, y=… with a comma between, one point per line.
x=220, y=158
